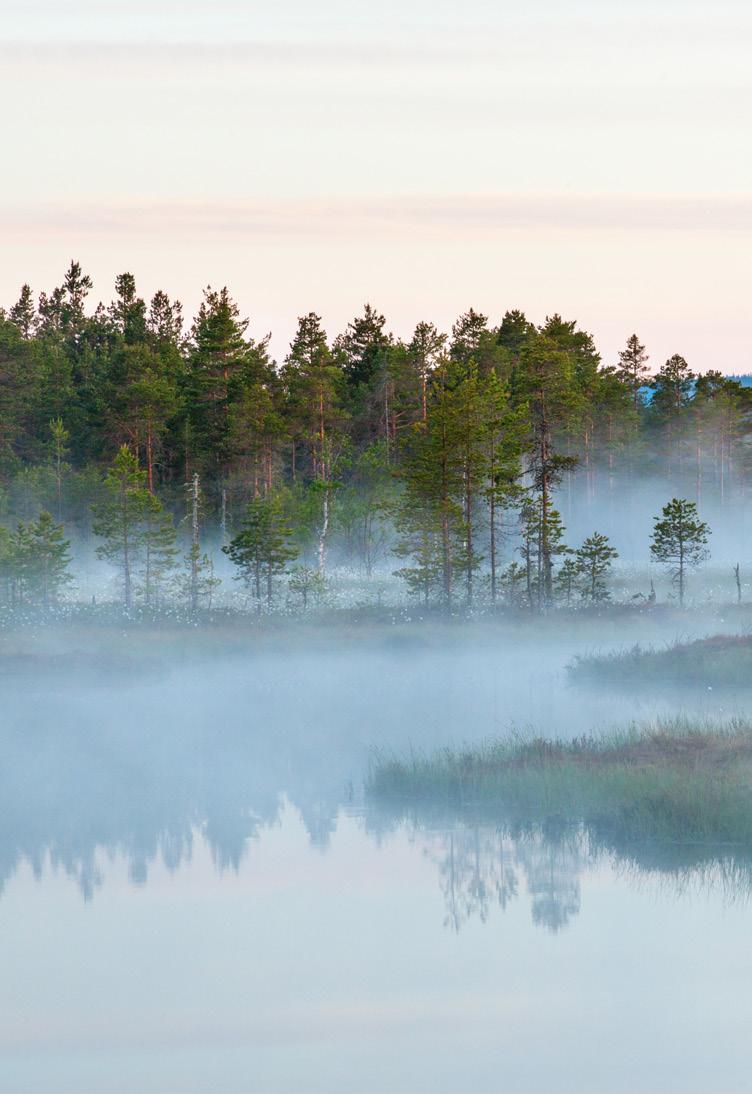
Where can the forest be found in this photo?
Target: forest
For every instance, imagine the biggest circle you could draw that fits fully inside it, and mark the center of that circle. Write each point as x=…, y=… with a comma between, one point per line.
x=158, y=447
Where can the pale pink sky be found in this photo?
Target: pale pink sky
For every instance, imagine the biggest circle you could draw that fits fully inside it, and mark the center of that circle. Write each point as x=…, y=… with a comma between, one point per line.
x=426, y=156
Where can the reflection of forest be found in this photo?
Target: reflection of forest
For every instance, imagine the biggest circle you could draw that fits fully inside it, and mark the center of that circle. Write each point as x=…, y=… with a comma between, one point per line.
x=71, y=797
x=92, y=772
x=484, y=867
x=481, y=869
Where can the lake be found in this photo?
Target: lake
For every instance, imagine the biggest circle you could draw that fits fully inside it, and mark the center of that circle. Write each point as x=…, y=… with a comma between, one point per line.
x=196, y=898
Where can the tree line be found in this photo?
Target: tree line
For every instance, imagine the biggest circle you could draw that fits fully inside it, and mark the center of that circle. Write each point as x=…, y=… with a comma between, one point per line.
x=449, y=451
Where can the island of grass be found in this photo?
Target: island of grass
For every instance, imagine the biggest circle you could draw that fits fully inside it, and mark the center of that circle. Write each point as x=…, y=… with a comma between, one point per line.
x=720, y=661
x=677, y=782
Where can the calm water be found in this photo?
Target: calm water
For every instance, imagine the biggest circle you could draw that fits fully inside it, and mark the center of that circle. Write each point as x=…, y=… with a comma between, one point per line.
x=194, y=898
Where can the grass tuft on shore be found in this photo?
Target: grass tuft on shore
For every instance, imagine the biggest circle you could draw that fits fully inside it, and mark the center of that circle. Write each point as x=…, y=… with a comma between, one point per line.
x=719, y=661
x=676, y=781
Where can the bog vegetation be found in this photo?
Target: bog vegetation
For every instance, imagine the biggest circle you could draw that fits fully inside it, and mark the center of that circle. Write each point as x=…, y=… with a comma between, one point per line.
x=440, y=458
x=676, y=781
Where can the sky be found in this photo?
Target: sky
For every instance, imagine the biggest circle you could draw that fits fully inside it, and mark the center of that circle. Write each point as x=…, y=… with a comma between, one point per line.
x=590, y=159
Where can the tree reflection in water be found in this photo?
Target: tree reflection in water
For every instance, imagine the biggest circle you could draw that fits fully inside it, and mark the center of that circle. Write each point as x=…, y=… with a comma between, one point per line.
x=481, y=868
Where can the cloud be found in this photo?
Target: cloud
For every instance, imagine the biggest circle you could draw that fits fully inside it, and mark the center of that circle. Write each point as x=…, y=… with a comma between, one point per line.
x=344, y=217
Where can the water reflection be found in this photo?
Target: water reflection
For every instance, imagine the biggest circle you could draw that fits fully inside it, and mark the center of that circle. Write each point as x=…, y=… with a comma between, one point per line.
x=143, y=769
x=484, y=869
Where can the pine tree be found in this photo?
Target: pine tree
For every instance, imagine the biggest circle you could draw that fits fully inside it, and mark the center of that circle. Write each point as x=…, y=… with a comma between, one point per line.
x=512, y=579
x=59, y=446
x=307, y=582
x=198, y=583
x=503, y=440
x=432, y=473
x=542, y=533
x=567, y=577
x=218, y=354
x=424, y=352
x=679, y=540
x=546, y=386
x=261, y=550
x=159, y=552
x=419, y=529
x=361, y=348
x=120, y=517
x=633, y=369
x=311, y=380
x=468, y=336
x=23, y=313
x=8, y=566
x=593, y=561
x=45, y=559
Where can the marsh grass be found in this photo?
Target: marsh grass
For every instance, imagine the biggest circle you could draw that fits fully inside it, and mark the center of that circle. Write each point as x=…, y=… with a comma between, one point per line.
x=676, y=781
x=722, y=660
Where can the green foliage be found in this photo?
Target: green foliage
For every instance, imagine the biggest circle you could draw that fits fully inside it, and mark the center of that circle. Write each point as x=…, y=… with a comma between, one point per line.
x=197, y=583
x=122, y=517
x=435, y=445
x=34, y=562
x=159, y=552
x=679, y=540
x=673, y=782
x=593, y=561
x=567, y=579
x=306, y=583
x=633, y=369
x=262, y=548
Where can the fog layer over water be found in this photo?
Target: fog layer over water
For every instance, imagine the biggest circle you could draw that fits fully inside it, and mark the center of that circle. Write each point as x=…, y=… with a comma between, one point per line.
x=250, y=924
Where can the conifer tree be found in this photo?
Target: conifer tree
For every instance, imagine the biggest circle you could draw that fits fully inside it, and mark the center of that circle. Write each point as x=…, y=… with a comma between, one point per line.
x=120, y=517
x=23, y=312
x=311, y=379
x=159, y=552
x=419, y=530
x=432, y=473
x=47, y=559
x=679, y=540
x=567, y=577
x=593, y=560
x=198, y=582
x=217, y=357
x=8, y=566
x=361, y=348
x=59, y=446
x=468, y=336
x=633, y=370
x=307, y=582
x=423, y=353
x=546, y=386
x=261, y=550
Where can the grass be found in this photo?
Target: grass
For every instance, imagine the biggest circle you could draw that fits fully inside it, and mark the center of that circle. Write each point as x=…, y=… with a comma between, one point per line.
x=719, y=661
x=675, y=781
